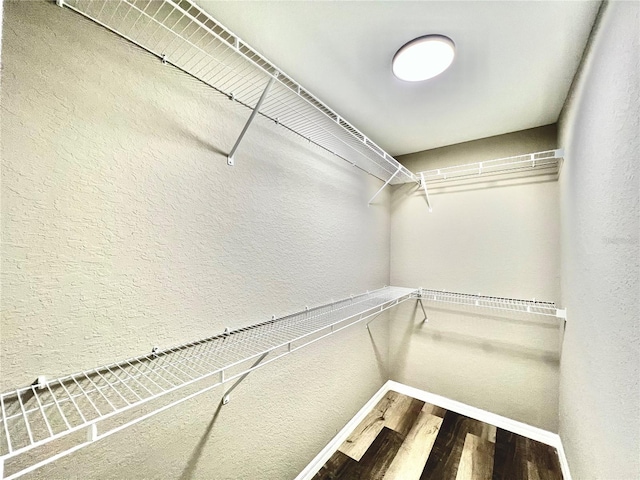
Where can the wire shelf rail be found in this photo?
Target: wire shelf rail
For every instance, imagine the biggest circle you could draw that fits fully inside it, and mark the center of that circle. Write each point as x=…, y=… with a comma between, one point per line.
x=39, y=414
x=498, y=303
x=546, y=162
x=185, y=36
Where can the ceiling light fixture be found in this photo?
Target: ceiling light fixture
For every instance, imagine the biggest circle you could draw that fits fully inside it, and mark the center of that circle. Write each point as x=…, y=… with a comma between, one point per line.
x=423, y=58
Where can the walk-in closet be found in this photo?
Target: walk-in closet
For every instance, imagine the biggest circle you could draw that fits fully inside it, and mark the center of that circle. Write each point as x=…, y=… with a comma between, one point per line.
x=320, y=240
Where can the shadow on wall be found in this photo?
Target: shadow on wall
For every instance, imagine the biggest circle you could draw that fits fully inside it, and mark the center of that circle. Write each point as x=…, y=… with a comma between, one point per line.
x=502, y=365
x=192, y=463
x=145, y=114
x=406, y=190
x=402, y=347
x=514, y=318
x=491, y=346
x=411, y=189
x=168, y=126
x=437, y=332
x=381, y=361
x=375, y=324
x=335, y=171
x=484, y=184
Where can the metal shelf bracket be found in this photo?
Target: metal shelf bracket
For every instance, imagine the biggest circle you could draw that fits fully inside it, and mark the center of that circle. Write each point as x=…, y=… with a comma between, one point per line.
x=426, y=192
x=226, y=398
x=425, y=319
x=230, y=159
x=385, y=184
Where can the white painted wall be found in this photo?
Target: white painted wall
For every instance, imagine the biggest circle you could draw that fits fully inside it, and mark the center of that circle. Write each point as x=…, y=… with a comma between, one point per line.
x=600, y=368
x=496, y=239
x=123, y=228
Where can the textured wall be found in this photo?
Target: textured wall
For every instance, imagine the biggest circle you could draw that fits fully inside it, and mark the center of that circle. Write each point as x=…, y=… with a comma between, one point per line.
x=600, y=368
x=499, y=238
x=123, y=228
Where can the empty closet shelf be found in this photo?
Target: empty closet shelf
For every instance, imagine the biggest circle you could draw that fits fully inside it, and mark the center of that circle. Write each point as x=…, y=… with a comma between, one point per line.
x=39, y=414
x=185, y=36
x=547, y=162
x=498, y=303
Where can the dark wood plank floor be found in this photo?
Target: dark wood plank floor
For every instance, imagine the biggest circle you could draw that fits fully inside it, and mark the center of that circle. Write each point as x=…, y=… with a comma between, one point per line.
x=405, y=439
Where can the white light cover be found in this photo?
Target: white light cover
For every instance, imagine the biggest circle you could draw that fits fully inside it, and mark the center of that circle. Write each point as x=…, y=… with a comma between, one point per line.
x=423, y=58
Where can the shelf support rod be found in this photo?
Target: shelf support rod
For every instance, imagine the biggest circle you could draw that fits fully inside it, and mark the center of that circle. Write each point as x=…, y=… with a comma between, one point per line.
x=385, y=184
x=426, y=193
x=225, y=397
x=425, y=319
x=230, y=158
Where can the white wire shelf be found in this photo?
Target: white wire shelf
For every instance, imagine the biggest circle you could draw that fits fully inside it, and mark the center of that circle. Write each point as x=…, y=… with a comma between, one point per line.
x=535, y=307
x=540, y=163
x=35, y=417
x=183, y=35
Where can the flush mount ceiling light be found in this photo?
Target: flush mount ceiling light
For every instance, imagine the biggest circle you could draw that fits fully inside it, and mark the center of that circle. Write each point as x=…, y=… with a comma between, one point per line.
x=423, y=58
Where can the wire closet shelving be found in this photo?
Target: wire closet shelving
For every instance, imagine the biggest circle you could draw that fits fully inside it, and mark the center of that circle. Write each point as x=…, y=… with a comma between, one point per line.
x=535, y=307
x=185, y=36
x=40, y=414
x=547, y=162
x=99, y=402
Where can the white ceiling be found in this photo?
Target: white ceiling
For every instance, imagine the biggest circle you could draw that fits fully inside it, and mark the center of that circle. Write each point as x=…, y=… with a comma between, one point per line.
x=514, y=64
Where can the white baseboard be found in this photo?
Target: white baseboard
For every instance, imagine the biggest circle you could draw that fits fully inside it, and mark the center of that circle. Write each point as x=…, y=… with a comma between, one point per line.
x=564, y=464
x=534, y=433
x=324, y=455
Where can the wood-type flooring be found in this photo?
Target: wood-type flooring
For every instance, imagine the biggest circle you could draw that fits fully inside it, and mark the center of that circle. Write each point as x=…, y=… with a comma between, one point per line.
x=406, y=439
